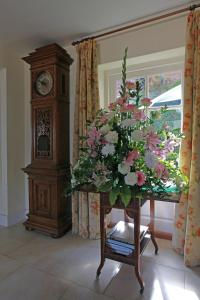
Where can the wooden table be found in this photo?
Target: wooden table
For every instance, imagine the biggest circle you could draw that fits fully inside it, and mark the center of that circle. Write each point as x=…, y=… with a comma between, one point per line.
x=133, y=211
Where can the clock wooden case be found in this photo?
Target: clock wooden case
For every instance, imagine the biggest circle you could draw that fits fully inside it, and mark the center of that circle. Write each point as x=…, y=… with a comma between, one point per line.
x=49, y=209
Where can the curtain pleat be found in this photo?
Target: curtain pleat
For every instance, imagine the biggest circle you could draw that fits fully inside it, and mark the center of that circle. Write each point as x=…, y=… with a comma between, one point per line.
x=85, y=206
x=186, y=238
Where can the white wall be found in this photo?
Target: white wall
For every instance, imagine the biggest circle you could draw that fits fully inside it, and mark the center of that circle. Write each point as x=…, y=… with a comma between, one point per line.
x=166, y=35
x=11, y=59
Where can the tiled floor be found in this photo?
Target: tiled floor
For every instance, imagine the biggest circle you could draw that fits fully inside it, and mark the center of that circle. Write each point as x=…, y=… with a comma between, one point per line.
x=37, y=267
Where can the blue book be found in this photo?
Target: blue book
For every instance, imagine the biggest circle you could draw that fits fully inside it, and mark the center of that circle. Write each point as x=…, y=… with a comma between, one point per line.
x=118, y=243
x=119, y=249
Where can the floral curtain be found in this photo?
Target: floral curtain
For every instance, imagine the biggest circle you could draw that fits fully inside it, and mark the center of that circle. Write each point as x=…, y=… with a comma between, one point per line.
x=85, y=206
x=186, y=239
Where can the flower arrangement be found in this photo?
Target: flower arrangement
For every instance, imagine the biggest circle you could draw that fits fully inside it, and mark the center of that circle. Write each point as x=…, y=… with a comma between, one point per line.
x=123, y=153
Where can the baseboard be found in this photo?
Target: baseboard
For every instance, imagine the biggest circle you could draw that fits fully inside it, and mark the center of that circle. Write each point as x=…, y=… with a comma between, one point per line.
x=163, y=235
x=16, y=219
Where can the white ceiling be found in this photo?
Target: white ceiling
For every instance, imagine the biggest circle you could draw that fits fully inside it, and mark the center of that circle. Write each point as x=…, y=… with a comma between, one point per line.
x=46, y=21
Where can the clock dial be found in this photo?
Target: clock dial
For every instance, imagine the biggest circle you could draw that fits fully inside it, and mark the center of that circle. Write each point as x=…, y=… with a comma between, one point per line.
x=44, y=83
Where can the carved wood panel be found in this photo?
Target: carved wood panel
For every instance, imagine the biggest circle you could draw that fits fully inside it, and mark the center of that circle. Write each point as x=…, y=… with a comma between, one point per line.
x=43, y=133
x=43, y=199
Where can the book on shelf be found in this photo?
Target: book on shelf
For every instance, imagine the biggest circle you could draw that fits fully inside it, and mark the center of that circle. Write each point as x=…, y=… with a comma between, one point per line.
x=124, y=232
x=119, y=247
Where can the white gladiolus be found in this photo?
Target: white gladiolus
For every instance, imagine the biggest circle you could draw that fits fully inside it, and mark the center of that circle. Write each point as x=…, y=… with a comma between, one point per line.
x=137, y=135
x=123, y=168
x=105, y=129
x=112, y=137
x=108, y=149
x=130, y=179
x=150, y=159
x=127, y=122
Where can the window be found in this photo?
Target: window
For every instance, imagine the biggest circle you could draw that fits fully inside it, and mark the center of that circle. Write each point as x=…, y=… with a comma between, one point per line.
x=161, y=77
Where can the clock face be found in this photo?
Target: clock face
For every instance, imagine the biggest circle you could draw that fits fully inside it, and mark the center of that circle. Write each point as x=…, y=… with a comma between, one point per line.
x=44, y=83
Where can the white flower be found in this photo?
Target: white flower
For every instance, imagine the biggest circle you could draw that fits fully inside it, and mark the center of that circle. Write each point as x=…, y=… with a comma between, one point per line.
x=130, y=179
x=73, y=180
x=108, y=149
x=104, y=129
x=112, y=137
x=123, y=168
x=150, y=159
x=137, y=135
x=127, y=123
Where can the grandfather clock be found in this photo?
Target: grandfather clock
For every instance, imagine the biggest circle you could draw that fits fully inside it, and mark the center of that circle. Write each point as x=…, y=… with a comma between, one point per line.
x=49, y=209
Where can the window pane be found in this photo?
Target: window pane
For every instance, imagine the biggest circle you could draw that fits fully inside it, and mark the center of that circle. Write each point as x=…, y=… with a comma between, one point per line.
x=158, y=84
x=172, y=118
x=140, y=79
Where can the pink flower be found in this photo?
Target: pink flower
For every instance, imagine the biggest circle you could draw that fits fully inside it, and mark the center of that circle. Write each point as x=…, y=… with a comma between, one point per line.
x=146, y=101
x=152, y=140
x=169, y=145
x=94, y=133
x=93, y=154
x=103, y=120
x=161, y=171
x=90, y=142
x=128, y=108
x=139, y=115
x=112, y=105
x=121, y=100
x=160, y=153
x=141, y=178
x=132, y=155
x=130, y=85
x=131, y=107
x=104, y=142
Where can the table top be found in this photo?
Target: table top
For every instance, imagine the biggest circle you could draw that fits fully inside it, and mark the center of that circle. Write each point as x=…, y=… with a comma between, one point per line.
x=170, y=194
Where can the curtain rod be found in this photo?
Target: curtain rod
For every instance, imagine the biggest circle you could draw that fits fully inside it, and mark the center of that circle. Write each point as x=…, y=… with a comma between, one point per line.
x=176, y=12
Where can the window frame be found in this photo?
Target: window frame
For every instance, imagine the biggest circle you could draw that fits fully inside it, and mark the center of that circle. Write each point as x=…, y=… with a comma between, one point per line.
x=142, y=66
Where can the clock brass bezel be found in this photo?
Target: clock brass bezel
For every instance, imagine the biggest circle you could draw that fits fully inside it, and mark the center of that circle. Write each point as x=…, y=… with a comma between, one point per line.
x=50, y=83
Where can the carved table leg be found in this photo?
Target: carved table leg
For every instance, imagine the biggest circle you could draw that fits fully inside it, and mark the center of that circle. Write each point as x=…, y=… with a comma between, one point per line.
x=103, y=233
x=136, y=217
x=151, y=225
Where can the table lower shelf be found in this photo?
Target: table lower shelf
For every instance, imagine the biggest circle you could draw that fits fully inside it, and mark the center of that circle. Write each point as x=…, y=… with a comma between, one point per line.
x=119, y=254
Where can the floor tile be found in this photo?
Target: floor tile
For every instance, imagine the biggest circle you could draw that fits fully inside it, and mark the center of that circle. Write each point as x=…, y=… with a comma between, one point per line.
x=79, y=265
x=32, y=251
x=158, y=281
x=166, y=255
x=192, y=283
x=7, y=266
x=30, y=284
x=75, y=292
